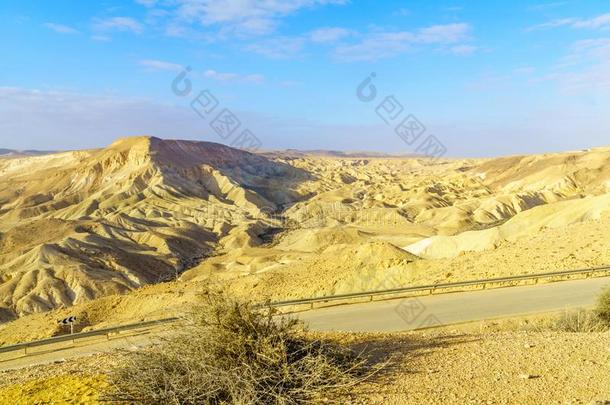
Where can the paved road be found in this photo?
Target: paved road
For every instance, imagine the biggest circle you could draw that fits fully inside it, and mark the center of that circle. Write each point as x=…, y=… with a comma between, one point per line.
x=382, y=316
x=66, y=350
x=409, y=314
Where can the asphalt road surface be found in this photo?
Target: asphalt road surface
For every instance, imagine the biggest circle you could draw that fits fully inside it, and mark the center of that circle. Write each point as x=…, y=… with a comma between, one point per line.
x=381, y=316
x=51, y=353
x=415, y=313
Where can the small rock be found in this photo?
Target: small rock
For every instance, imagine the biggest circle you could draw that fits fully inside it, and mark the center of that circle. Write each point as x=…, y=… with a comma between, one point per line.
x=528, y=376
x=529, y=345
x=59, y=361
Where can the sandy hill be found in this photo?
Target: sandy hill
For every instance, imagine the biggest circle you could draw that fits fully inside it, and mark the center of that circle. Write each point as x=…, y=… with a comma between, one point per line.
x=76, y=226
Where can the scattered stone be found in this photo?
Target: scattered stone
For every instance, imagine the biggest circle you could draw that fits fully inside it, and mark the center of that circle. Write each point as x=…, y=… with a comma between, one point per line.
x=528, y=376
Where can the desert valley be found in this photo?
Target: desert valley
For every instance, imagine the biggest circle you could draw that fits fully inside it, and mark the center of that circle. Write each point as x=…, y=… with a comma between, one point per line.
x=133, y=232
x=263, y=202
x=77, y=226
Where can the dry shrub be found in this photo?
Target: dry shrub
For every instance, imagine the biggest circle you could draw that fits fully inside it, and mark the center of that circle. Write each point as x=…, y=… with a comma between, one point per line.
x=603, y=307
x=579, y=320
x=229, y=353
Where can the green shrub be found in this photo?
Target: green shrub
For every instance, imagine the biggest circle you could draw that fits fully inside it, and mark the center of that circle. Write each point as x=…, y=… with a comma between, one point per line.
x=229, y=353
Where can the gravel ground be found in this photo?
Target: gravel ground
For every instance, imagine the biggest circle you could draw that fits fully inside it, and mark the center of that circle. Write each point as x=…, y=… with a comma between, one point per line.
x=440, y=367
x=494, y=368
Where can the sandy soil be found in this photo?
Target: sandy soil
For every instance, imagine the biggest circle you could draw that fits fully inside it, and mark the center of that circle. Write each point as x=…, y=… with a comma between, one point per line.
x=497, y=368
x=445, y=366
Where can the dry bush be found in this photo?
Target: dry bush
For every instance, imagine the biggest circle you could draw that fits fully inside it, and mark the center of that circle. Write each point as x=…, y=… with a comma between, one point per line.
x=580, y=320
x=603, y=307
x=229, y=353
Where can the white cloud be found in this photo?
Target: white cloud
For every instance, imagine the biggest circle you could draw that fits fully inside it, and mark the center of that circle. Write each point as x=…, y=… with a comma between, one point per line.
x=119, y=24
x=591, y=80
x=279, y=47
x=463, y=49
x=329, y=34
x=380, y=45
x=376, y=46
x=585, y=69
x=233, y=77
x=444, y=34
x=243, y=17
x=159, y=65
x=597, y=48
x=60, y=28
x=601, y=22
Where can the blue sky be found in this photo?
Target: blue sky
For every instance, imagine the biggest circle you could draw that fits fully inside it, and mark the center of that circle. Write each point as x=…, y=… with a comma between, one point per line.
x=486, y=78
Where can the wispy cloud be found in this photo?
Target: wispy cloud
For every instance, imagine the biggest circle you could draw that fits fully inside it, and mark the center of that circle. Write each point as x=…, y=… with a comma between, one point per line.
x=600, y=22
x=586, y=68
x=233, y=77
x=444, y=34
x=279, y=47
x=159, y=65
x=380, y=45
x=329, y=34
x=60, y=28
x=118, y=24
x=243, y=17
x=463, y=49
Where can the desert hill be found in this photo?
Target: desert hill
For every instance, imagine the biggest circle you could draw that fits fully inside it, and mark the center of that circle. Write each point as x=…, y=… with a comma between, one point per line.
x=75, y=226
x=78, y=225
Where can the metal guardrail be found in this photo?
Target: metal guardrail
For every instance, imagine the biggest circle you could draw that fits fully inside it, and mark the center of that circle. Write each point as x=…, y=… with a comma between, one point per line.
x=83, y=335
x=435, y=287
x=311, y=301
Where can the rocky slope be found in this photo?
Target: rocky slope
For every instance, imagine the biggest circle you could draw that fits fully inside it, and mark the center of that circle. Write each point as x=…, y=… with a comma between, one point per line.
x=75, y=226
x=78, y=225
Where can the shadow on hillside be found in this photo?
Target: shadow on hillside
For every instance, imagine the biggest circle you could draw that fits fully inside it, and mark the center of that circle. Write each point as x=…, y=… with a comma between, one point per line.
x=395, y=355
